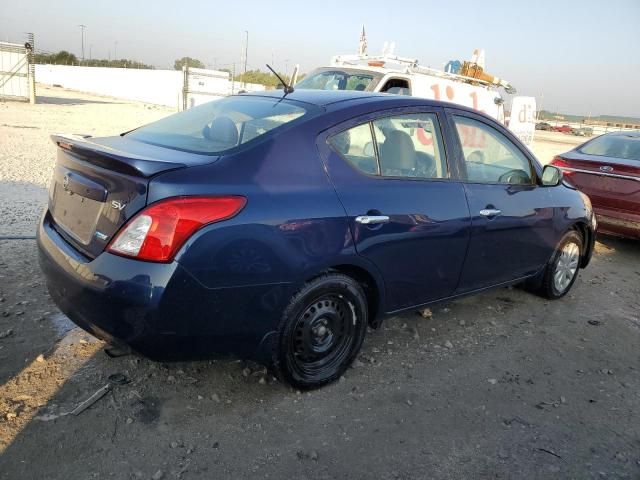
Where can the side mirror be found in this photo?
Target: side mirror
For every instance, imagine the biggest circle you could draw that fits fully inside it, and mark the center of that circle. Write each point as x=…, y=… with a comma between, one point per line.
x=368, y=150
x=551, y=176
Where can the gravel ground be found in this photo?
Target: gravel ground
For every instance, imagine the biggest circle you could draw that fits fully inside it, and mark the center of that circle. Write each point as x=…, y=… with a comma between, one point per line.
x=27, y=155
x=501, y=385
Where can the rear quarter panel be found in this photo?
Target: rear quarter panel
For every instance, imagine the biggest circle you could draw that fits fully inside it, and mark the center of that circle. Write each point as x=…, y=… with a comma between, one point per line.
x=292, y=228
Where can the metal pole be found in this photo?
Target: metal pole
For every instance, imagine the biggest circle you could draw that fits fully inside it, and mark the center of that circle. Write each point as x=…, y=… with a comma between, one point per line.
x=185, y=86
x=540, y=106
x=115, y=50
x=233, y=77
x=82, y=27
x=90, y=48
x=31, y=68
x=246, y=54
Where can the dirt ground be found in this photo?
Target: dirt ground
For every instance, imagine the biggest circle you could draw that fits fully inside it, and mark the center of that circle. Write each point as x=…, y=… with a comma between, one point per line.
x=501, y=385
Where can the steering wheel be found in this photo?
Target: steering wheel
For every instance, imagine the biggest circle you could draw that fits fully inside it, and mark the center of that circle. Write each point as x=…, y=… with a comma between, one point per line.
x=515, y=177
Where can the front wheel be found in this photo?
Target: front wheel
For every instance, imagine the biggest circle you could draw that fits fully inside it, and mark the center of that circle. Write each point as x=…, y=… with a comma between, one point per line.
x=321, y=331
x=562, y=270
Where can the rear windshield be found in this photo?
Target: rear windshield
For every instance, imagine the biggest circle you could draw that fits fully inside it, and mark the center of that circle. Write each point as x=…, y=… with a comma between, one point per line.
x=220, y=125
x=618, y=146
x=339, y=80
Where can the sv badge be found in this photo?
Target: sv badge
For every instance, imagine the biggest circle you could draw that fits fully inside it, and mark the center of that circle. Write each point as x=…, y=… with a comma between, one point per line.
x=117, y=204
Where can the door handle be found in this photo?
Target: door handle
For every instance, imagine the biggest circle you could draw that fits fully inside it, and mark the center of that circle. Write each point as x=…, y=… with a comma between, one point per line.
x=372, y=219
x=490, y=212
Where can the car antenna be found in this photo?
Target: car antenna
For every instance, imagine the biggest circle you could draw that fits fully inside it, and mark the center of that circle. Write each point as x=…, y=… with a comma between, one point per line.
x=287, y=88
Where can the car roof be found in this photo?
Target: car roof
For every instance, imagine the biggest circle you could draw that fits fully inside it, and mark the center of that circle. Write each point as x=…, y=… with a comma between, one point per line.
x=629, y=133
x=320, y=98
x=338, y=99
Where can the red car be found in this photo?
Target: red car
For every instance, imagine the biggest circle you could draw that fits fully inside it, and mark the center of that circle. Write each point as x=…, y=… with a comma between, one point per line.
x=563, y=129
x=607, y=169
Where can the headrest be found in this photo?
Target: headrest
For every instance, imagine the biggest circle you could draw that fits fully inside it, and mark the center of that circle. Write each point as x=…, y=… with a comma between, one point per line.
x=222, y=130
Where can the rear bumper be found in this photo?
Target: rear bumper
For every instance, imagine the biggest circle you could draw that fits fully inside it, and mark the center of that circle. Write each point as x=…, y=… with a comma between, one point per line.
x=615, y=222
x=159, y=310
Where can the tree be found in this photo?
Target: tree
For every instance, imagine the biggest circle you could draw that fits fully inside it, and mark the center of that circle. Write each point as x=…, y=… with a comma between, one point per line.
x=65, y=58
x=267, y=79
x=188, y=62
x=61, y=58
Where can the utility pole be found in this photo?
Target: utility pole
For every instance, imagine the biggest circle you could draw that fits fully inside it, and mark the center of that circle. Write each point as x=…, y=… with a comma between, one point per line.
x=233, y=77
x=115, y=50
x=244, y=58
x=539, y=107
x=82, y=27
x=90, y=48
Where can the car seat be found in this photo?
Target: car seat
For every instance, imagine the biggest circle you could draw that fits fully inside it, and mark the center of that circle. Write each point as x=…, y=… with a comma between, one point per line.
x=397, y=154
x=222, y=130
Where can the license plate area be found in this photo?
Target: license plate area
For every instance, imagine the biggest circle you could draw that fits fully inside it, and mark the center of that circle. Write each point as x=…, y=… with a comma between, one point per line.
x=75, y=214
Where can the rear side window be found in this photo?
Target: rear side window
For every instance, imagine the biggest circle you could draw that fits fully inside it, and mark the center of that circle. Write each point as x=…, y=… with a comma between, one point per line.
x=407, y=146
x=410, y=146
x=618, y=146
x=220, y=125
x=489, y=156
x=356, y=147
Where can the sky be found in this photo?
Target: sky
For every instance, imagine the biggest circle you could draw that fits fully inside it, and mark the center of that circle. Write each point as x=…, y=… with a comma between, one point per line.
x=574, y=56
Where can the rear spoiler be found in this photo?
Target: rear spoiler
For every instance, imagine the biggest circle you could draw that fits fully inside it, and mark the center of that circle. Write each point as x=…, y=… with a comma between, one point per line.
x=104, y=156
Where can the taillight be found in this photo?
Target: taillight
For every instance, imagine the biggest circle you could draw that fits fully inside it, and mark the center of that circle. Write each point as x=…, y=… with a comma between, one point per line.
x=562, y=164
x=157, y=232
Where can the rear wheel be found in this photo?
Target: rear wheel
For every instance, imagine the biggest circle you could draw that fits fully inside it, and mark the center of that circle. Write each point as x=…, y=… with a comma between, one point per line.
x=321, y=331
x=562, y=270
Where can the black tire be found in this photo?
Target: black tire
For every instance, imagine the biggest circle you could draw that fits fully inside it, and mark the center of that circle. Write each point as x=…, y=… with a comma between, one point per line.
x=549, y=288
x=321, y=331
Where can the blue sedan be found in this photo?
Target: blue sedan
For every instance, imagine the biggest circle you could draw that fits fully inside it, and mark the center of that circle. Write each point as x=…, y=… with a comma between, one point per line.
x=277, y=227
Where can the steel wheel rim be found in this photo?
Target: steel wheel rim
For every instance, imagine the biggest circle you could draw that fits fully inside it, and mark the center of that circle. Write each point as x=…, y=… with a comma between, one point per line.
x=566, y=266
x=322, y=337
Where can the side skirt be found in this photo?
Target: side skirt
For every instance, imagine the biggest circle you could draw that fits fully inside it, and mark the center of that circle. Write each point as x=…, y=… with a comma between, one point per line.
x=460, y=295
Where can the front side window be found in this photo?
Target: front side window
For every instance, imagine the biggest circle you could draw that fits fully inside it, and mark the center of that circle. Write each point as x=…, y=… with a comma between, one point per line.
x=396, y=86
x=489, y=156
x=220, y=125
x=399, y=146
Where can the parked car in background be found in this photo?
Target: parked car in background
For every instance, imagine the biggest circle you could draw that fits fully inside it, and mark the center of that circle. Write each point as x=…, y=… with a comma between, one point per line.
x=278, y=227
x=582, y=132
x=543, y=126
x=563, y=129
x=607, y=169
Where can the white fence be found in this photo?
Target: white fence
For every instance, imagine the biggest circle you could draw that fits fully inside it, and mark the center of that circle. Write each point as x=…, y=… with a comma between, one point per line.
x=159, y=87
x=15, y=75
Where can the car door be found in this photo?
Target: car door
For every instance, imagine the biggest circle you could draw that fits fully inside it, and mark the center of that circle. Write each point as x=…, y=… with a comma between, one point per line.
x=407, y=215
x=512, y=233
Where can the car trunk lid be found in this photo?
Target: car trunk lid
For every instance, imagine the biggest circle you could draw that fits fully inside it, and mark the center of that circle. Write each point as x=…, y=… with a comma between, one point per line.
x=98, y=184
x=608, y=181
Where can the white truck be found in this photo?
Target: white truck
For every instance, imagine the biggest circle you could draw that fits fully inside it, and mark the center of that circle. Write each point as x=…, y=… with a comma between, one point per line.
x=388, y=73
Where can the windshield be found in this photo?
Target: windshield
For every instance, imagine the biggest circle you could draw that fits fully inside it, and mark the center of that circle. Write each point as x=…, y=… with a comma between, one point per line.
x=618, y=146
x=339, y=80
x=220, y=125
